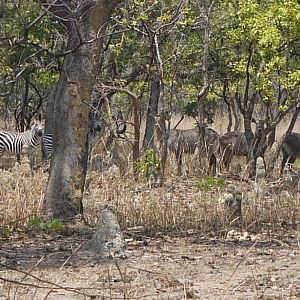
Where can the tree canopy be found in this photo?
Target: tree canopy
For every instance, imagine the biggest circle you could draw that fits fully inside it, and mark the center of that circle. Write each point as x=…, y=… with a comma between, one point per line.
x=258, y=40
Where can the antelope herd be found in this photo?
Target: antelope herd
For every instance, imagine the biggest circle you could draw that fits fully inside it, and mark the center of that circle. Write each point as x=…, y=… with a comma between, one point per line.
x=225, y=146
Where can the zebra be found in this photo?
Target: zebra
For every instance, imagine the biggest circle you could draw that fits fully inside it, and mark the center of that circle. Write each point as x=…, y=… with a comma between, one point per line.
x=95, y=126
x=20, y=142
x=47, y=145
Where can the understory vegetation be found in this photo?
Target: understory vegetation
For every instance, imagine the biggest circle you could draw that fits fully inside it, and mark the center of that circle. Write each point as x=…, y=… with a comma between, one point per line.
x=192, y=202
x=179, y=206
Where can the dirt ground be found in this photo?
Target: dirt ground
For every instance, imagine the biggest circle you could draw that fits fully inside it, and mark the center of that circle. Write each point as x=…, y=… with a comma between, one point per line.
x=191, y=266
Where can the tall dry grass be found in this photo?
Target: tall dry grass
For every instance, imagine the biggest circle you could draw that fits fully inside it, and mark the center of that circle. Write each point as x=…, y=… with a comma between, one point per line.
x=21, y=195
x=178, y=206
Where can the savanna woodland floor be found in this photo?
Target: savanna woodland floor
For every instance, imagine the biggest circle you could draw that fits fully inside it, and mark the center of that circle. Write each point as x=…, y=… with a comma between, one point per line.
x=178, y=246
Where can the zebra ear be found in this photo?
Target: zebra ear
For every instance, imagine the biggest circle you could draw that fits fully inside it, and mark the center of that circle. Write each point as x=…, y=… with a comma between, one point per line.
x=37, y=118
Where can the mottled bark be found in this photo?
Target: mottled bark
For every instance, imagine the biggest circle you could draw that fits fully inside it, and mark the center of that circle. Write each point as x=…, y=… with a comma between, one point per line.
x=49, y=112
x=64, y=191
x=163, y=114
x=271, y=137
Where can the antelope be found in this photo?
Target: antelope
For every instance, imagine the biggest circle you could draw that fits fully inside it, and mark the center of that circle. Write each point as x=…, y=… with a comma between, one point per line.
x=290, y=149
x=187, y=140
x=233, y=143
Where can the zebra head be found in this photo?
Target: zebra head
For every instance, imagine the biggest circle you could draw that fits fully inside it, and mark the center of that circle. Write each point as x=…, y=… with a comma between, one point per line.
x=37, y=128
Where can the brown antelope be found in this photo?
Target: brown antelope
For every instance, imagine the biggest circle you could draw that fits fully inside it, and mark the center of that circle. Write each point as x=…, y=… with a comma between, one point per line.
x=233, y=143
x=290, y=149
x=187, y=140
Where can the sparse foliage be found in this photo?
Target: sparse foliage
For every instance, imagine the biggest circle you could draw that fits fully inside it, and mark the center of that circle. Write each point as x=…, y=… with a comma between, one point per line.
x=209, y=183
x=149, y=163
x=54, y=225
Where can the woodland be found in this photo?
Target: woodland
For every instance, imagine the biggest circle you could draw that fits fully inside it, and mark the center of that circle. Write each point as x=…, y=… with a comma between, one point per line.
x=147, y=67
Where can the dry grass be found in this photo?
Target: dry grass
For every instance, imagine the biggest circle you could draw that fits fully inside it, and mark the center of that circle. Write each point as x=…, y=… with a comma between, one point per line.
x=177, y=206
x=21, y=195
x=180, y=207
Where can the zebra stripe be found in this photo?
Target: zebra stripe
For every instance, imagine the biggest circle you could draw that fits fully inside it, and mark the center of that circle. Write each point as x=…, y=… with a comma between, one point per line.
x=15, y=142
x=47, y=145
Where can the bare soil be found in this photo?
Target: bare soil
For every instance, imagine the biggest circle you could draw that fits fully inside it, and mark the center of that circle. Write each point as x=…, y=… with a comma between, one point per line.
x=173, y=266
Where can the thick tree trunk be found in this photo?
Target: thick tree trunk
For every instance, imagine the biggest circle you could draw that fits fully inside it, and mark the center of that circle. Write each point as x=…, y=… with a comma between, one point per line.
x=64, y=191
x=271, y=137
x=49, y=113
